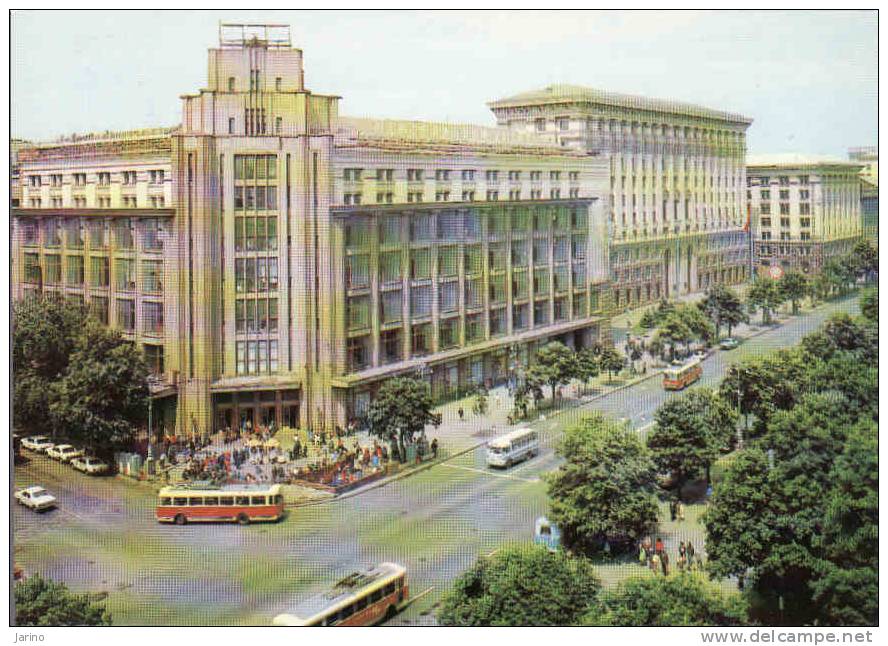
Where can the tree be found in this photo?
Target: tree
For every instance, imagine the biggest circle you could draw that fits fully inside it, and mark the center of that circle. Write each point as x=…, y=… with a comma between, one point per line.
x=866, y=258
x=610, y=360
x=723, y=307
x=479, y=402
x=604, y=491
x=521, y=586
x=557, y=363
x=869, y=304
x=841, y=333
x=674, y=330
x=103, y=397
x=588, y=366
x=400, y=411
x=764, y=295
x=793, y=287
x=44, y=333
x=690, y=433
x=700, y=326
x=847, y=590
x=648, y=320
x=44, y=603
x=685, y=599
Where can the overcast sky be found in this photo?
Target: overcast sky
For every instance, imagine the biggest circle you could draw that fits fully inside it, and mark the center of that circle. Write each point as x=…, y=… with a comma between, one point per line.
x=808, y=79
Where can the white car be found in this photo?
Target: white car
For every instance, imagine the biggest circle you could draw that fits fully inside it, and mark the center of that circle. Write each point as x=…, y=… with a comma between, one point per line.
x=37, y=498
x=38, y=443
x=92, y=466
x=64, y=452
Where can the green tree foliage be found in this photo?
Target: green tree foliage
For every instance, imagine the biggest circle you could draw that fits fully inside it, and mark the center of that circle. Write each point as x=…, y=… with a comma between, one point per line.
x=557, y=364
x=480, y=401
x=588, y=366
x=675, y=331
x=764, y=295
x=869, y=304
x=521, y=586
x=866, y=258
x=103, y=397
x=604, y=491
x=44, y=603
x=400, y=412
x=690, y=433
x=842, y=333
x=610, y=360
x=723, y=307
x=847, y=589
x=44, y=333
x=684, y=599
x=794, y=286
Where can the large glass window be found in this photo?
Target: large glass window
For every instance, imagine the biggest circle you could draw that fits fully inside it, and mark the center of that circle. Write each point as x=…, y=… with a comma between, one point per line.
x=390, y=229
x=448, y=296
x=450, y=226
x=448, y=333
x=357, y=271
x=99, y=272
x=390, y=266
x=123, y=233
x=420, y=264
x=358, y=308
x=421, y=225
x=74, y=270
x=421, y=301
x=53, y=274
x=125, y=274
x=32, y=268
x=391, y=306
x=98, y=307
x=421, y=339
x=126, y=314
x=473, y=259
x=448, y=261
x=97, y=234
x=73, y=234
x=152, y=232
x=152, y=276
x=152, y=318
x=51, y=235
x=474, y=293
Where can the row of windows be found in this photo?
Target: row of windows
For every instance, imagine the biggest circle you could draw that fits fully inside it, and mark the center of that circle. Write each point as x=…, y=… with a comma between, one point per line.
x=360, y=604
x=256, y=315
x=255, y=198
x=124, y=272
x=98, y=231
x=804, y=208
x=446, y=175
x=781, y=180
x=103, y=178
x=353, y=199
x=128, y=202
x=460, y=225
x=785, y=222
x=256, y=357
x=545, y=312
x=785, y=235
x=256, y=274
x=255, y=167
x=225, y=501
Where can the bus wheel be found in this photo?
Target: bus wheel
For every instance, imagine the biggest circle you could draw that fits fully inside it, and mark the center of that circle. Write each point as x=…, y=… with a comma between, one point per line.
x=180, y=519
x=390, y=613
x=243, y=519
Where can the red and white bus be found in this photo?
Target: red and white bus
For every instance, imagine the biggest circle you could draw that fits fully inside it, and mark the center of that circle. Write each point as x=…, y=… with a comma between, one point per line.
x=679, y=377
x=360, y=599
x=228, y=503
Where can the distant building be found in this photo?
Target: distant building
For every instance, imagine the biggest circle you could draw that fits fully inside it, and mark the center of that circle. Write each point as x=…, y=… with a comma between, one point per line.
x=277, y=261
x=804, y=209
x=869, y=189
x=677, y=174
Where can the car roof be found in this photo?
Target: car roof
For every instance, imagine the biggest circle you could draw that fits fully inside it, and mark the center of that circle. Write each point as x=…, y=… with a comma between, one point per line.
x=34, y=488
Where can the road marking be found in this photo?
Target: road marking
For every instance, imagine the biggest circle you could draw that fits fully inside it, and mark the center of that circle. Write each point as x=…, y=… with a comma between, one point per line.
x=490, y=473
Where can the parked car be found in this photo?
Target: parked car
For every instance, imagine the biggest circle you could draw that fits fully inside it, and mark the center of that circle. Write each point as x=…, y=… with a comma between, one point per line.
x=729, y=343
x=38, y=443
x=64, y=452
x=90, y=465
x=36, y=498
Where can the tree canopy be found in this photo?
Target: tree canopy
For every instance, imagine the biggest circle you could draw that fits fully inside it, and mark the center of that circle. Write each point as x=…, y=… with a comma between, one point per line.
x=557, y=364
x=794, y=286
x=764, y=295
x=869, y=304
x=683, y=599
x=604, y=490
x=45, y=603
x=723, y=307
x=401, y=410
x=521, y=586
x=690, y=433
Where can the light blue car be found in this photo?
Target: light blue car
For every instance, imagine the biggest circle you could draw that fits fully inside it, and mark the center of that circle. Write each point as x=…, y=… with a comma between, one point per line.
x=547, y=533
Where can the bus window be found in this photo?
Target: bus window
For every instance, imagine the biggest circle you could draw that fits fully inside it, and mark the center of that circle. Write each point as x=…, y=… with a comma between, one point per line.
x=164, y=502
x=226, y=501
x=195, y=502
x=389, y=589
x=278, y=499
x=211, y=501
x=376, y=595
x=258, y=500
x=180, y=502
x=242, y=500
x=360, y=604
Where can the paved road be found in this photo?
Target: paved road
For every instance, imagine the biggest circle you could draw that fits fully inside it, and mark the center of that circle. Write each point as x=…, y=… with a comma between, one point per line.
x=103, y=536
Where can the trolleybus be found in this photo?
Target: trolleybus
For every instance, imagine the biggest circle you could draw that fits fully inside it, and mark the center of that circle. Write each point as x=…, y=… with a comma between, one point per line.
x=204, y=502
x=679, y=377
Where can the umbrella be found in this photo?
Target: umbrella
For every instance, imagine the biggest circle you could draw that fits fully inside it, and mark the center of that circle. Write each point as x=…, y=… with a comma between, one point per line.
x=272, y=444
x=253, y=443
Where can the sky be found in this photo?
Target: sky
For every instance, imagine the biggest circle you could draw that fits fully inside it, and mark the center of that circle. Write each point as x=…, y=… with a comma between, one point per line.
x=809, y=79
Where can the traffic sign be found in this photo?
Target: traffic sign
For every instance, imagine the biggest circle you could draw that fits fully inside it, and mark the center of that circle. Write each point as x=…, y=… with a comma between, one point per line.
x=775, y=272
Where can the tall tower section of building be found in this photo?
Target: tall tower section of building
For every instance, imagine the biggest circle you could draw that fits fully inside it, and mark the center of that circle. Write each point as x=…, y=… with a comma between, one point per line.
x=251, y=177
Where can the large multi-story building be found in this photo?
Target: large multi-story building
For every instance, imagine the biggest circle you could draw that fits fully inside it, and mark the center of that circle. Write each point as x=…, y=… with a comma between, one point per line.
x=869, y=189
x=278, y=261
x=805, y=210
x=677, y=176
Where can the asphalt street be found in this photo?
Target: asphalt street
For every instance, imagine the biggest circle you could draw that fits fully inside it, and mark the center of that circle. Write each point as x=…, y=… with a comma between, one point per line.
x=103, y=537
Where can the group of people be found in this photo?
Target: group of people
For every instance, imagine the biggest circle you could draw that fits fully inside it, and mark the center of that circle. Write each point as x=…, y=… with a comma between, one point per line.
x=342, y=465
x=654, y=555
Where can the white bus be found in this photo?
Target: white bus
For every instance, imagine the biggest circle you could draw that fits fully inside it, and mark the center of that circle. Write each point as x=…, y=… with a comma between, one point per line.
x=513, y=447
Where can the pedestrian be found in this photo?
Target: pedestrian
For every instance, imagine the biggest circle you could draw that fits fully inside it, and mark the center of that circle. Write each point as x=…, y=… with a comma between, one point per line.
x=642, y=555
x=461, y=413
x=673, y=512
x=682, y=550
x=435, y=448
x=680, y=508
x=655, y=563
x=690, y=553
x=658, y=546
x=664, y=561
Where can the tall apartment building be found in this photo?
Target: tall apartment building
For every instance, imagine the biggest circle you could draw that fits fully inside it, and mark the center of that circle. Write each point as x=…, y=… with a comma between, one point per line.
x=278, y=261
x=677, y=175
x=805, y=210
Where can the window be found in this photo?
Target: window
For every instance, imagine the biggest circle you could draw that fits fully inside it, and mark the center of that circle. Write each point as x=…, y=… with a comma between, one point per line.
x=555, y=194
x=574, y=176
x=278, y=125
x=390, y=266
x=126, y=314
x=421, y=339
x=554, y=175
x=230, y=125
x=442, y=196
x=468, y=196
x=536, y=175
x=448, y=261
x=474, y=296
x=358, y=312
x=472, y=259
x=79, y=179
x=491, y=175
x=53, y=275
x=804, y=180
x=414, y=174
x=421, y=301
x=448, y=296
x=766, y=222
x=468, y=175
x=540, y=124
x=55, y=180
x=784, y=208
x=804, y=208
x=392, y=347
x=74, y=270
x=805, y=222
x=414, y=196
x=442, y=175
x=385, y=174
x=96, y=234
x=492, y=196
x=352, y=174
x=99, y=272
x=498, y=323
x=152, y=318
x=32, y=268
x=514, y=175
x=391, y=306
x=450, y=226
x=804, y=195
x=231, y=84
x=766, y=235
x=563, y=124
x=421, y=227
x=474, y=328
x=104, y=179
x=783, y=180
x=541, y=313
x=357, y=271
x=390, y=230
x=152, y=235
x=541, y=282
x=277, y=84
x=766, y=194
x=351, y=199
x=152, y=276
x=766, y=207
x=155, y=176
x=784, y=222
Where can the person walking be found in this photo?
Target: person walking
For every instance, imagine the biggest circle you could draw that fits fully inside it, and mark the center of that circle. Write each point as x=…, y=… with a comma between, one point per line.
x=658, y=546
x=461, y=413
x=655, y=563
x=673, y=511
x=664, y=561
x=680, y=509
x=690, y=552
x=435, y=448
x=642, y=555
